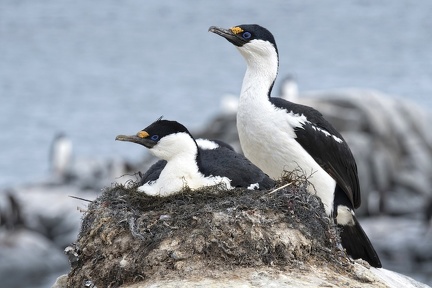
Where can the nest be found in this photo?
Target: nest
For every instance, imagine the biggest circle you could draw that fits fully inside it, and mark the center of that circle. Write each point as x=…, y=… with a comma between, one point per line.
x=127, y=236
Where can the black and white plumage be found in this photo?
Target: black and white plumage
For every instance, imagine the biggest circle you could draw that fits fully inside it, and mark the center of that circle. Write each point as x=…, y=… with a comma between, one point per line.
x=209, y=151
x=278, y=135
x=188, y=165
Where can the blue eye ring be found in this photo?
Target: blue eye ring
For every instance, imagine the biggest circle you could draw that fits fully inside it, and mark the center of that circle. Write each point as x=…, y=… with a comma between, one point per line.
x=154, y=137
x=246, y=35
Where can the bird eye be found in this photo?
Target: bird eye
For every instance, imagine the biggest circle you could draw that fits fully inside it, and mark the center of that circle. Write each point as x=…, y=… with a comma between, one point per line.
x=154, y=137
x=246, y=35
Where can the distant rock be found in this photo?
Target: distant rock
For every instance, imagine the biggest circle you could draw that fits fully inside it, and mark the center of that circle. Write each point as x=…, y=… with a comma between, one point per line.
x=27, y=257
x=403, y=243
x=398, y=153
x=37, y=223
x=50, y=211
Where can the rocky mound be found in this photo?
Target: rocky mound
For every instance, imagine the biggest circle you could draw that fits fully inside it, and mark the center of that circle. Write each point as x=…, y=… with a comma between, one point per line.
x=128, y=237
x=213, y=238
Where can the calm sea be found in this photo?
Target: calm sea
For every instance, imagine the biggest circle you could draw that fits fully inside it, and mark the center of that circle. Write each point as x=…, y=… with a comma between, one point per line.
x=95, y=69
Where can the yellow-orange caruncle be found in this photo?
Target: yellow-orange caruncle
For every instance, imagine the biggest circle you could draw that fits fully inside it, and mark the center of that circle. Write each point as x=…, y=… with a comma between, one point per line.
x=236, y=30
x=142, y=134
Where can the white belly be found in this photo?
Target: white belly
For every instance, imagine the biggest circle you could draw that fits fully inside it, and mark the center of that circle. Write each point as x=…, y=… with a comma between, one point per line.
x=270, y=144
x=176, y=176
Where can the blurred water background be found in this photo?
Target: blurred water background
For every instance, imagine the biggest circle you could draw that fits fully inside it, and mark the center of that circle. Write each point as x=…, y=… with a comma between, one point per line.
x=95, y=69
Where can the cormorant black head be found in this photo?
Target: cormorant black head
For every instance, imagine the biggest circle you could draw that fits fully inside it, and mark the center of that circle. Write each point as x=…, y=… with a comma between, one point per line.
x=165, y=139
x=153, y=133
x=245, y=33
x=258, y=47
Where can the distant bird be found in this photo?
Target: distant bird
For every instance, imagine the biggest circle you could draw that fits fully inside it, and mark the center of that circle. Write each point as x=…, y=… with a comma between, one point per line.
x=61, y=155
x=289, y=89
x=11, y=215
x=428, y=213
x=278, y=135
x=188, y=165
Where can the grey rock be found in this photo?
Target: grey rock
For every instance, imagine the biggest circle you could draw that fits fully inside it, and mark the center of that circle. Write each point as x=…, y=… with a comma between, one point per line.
x=399, y=156
x=50, y=211
x=27, y=258
x=402, y=244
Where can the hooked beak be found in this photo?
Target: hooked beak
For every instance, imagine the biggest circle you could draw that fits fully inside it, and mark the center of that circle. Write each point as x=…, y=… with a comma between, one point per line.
x=140, y=138
x=228, y=34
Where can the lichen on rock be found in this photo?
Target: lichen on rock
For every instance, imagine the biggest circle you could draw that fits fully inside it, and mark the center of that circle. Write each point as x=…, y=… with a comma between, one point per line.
x=129, y=237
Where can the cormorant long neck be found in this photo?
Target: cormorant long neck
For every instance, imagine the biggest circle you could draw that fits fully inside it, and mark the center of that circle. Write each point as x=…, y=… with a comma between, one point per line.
x=262, y=68
x=177, y=148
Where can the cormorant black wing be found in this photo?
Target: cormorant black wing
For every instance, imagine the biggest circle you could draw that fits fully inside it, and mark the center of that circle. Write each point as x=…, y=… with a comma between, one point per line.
x=228, y=163
x=153, y=173
x=328, y=148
